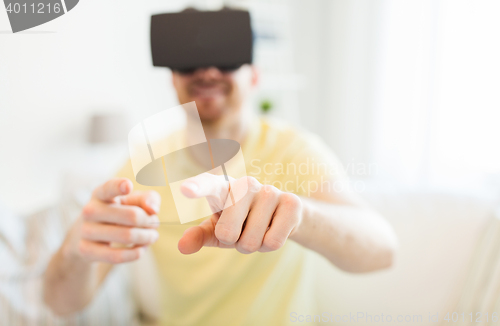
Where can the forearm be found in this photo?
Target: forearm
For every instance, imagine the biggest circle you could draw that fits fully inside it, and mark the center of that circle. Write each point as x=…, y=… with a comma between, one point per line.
x=69, y=284
x=354, y=239
x=70, y=281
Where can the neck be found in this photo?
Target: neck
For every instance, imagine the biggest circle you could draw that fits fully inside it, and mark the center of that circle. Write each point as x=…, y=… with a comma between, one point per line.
x=229, y=127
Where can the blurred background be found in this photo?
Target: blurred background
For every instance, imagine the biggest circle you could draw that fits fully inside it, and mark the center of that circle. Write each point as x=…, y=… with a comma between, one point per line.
x=405, y=92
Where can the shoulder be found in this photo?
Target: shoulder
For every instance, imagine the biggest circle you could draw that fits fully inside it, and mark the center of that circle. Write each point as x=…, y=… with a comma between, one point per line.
x=297, y=146
x=285, y=137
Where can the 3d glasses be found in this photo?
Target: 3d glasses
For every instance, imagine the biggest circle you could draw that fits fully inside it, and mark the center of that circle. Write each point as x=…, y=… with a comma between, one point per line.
x=189, y=40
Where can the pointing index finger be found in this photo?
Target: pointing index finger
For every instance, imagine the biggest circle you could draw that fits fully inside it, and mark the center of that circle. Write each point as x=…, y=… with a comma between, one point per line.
x=204, y=185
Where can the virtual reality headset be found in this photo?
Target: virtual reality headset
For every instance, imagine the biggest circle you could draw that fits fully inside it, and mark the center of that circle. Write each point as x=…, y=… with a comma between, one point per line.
x=192, y=39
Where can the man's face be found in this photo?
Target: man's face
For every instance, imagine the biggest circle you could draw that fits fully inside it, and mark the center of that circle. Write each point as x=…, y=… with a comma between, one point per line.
x=216, y=93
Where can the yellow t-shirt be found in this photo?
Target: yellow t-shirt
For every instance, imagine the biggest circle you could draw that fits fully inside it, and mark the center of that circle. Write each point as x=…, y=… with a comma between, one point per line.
x=223, y=287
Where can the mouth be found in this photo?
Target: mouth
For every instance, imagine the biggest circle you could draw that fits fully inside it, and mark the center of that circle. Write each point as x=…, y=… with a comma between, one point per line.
x=207, y=91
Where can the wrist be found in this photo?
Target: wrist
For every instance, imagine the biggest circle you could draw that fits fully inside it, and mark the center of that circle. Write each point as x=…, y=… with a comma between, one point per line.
x=68, y=252
x=70, y=248
x=304, y=212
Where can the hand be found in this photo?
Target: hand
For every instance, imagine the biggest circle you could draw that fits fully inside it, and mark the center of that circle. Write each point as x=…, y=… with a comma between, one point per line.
x=114, y=215
x=260, y=221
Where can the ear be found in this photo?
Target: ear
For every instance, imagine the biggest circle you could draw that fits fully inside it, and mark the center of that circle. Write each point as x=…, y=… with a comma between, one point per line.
x=174, y=79
x=255, y=75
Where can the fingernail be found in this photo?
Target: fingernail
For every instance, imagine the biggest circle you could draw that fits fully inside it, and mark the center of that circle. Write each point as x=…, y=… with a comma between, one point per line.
x=153, y=204
x=123, y=187
x=155, y=207
x=155, y=222
x=191, y=186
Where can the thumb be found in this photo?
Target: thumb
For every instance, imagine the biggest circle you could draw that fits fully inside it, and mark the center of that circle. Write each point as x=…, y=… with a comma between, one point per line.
x=196, y=237
x=202, y=235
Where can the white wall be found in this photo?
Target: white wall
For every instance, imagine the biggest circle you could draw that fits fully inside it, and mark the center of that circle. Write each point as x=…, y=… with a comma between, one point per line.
x=336, y=46
x=53, y=77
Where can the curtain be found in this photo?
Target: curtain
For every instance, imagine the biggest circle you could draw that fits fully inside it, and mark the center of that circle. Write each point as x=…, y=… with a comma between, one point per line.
x=436, y=107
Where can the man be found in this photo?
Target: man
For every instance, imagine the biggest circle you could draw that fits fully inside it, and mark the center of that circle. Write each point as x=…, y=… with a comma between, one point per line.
x=254, y=266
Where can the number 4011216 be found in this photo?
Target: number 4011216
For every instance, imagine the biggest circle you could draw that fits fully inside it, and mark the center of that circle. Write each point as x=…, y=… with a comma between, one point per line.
x=470, y=317
x=38, y=8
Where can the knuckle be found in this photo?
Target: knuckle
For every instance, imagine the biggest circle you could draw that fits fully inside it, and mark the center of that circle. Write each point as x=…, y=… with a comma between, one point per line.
x=132, y=216
x=250, y=245
x=269, y=192
x=252, y=183
x=82, y=248
x=226, y=235
x=88, y=211
x=290, y=200
x=141, y=236
x=127, y=235
x=273, y=244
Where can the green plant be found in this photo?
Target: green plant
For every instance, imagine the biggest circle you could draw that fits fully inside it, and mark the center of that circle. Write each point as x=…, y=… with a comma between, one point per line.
x=266, y=106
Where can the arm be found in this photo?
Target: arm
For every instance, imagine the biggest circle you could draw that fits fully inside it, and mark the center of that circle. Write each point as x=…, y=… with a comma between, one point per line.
x=113, y=215
x=354, y=238
x=338, y=226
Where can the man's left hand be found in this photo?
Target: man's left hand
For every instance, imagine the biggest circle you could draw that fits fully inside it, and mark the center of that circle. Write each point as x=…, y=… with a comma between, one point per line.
x=262, y=220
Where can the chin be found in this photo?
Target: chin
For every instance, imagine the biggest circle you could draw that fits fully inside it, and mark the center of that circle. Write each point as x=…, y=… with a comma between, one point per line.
x=209, y=109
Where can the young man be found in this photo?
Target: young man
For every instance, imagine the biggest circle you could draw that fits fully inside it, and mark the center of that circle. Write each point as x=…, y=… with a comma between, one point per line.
x=254, y=269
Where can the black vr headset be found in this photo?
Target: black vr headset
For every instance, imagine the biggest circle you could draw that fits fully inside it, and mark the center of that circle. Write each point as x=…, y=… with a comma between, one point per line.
x=192, y=39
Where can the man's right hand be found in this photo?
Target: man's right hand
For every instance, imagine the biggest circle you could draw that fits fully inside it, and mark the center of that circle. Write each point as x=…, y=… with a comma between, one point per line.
x=116, y=225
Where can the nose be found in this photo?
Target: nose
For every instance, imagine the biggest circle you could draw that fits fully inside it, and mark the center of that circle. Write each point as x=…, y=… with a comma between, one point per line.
x=208, y=73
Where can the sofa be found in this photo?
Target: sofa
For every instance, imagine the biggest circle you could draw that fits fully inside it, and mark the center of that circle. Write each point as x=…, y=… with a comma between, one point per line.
x=440, y=235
